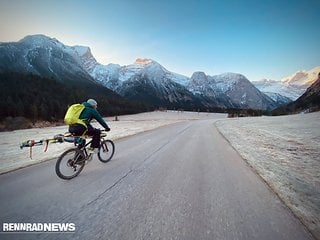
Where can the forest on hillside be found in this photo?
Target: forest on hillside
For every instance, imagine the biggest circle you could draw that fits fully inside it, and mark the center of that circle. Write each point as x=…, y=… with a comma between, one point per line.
x=38, y=98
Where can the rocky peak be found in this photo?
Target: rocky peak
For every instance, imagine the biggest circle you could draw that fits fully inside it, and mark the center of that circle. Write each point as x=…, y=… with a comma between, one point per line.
x=39, y=40
x=199, y=75
x=198, y=78
x=314, y=89
x=143, y=61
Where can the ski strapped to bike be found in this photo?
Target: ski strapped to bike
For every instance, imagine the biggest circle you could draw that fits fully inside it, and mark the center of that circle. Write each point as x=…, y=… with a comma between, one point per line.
x=60, y=138
x=31, y=143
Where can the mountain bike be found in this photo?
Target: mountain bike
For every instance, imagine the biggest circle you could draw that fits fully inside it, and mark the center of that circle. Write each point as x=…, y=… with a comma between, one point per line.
x=71, y=162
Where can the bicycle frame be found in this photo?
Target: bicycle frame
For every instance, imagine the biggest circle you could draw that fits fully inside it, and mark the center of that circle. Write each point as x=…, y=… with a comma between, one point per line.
x=83, y=146
x=69, y=160
x=80, y=142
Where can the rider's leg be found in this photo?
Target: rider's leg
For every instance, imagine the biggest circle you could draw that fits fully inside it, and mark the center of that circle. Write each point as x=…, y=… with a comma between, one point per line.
x=95, y=133
x=77, y=129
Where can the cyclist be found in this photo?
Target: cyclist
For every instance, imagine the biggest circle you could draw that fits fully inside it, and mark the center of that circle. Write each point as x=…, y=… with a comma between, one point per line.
x=90, y=112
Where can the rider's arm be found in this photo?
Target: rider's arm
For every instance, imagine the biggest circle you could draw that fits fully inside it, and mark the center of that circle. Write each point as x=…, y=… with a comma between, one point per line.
x=97, y=116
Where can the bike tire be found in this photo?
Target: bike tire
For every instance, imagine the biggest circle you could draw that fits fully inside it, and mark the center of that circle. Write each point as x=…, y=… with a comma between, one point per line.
x=65, y=165
x=106, y=151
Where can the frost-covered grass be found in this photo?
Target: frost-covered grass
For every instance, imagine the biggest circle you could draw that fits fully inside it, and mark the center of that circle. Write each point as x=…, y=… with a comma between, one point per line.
x=285, y=151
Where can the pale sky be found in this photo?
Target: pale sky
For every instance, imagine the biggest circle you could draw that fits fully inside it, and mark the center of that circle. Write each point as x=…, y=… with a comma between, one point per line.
x=257, y=38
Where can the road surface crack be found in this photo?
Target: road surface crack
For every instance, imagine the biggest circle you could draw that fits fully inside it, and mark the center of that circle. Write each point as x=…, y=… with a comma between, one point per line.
x=136, y=167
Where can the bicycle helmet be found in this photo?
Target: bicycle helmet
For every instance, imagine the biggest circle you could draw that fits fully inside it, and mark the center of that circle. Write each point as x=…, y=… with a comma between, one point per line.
x=92, y=102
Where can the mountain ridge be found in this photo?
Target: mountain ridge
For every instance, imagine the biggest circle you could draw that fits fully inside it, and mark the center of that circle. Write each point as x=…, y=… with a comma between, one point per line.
x=39, y=58
x=48, y=57
x=308, y=102
x=292, y=86
x=119, y=77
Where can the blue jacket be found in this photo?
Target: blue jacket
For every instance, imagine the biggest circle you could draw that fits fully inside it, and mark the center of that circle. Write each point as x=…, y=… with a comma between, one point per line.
x=90, y=113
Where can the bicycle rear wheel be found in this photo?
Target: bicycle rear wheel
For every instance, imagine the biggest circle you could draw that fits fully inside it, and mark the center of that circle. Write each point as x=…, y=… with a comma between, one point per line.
x=70, y=163
x=106, y=151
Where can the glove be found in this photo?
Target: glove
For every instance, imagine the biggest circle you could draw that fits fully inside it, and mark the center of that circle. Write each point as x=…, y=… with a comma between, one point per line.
x=107, y=129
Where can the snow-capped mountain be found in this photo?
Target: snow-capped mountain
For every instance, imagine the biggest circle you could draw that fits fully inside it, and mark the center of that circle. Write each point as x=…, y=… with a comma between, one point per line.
x=43, y=56
x=159, y=92
x=302, y=78
x=202, y=85
x=313, y=92
x=105, y=74
x=148, y=81
x=311, y=98
x=144, y=80
x=309, y=101
x=151, y=77
x=152, y=70
x=45, y=76
x=113, y=75
x=230, y=90
x=278, y=98
x=292, y=86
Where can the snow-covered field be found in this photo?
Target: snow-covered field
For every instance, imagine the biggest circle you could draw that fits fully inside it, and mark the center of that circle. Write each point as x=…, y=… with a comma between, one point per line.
x=285, y=152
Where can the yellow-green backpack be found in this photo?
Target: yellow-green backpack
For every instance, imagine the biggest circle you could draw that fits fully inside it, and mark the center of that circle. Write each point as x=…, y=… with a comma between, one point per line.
x=73, y=114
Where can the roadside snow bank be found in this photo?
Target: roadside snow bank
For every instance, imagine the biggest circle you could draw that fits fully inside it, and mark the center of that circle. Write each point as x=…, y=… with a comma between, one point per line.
x=13, y=158
x=285, y=151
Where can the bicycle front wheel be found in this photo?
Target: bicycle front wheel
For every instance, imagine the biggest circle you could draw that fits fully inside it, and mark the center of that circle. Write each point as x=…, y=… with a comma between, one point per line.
x=106, y=151
x=70, y=163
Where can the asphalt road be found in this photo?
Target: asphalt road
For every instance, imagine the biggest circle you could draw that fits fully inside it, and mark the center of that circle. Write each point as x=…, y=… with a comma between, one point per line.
x=183, y=181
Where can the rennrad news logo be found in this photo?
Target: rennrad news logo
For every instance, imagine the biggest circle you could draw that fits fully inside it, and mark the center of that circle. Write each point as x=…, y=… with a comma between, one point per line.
x=38, y=227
